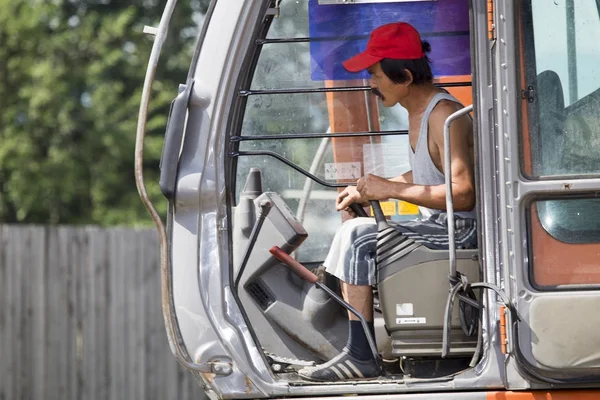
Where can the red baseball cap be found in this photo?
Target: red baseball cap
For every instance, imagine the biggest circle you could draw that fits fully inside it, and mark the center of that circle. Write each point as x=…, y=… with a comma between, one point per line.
x=399, y=41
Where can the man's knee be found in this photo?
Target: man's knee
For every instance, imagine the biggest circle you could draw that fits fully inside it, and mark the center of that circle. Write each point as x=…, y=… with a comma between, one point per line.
x=357, y=227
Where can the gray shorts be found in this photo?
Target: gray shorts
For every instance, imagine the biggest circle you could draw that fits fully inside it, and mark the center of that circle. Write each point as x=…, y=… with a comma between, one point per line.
x=353, y=250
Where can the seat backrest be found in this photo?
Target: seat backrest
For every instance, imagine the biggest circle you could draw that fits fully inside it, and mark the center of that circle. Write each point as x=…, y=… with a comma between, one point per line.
x=419, y=255
x=413, y=291
x=551, y=119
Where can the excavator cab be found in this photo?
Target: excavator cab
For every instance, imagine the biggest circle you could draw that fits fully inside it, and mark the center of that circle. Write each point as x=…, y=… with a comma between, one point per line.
x=269, y=127
x=307, y=128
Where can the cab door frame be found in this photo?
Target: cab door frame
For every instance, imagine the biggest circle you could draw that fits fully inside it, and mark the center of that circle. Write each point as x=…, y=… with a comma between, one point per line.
x=211, y=323
x=516, y=193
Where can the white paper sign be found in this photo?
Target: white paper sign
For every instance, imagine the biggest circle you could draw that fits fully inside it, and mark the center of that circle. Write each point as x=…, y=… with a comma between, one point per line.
x=388, y=159
x=349, y=170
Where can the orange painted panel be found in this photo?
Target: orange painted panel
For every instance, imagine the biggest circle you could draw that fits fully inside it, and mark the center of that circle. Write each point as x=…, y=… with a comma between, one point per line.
x=490, y=12
x=549, y=395
x=464, y=93
x=525, y=137
x=559, y=263
x=348, y=113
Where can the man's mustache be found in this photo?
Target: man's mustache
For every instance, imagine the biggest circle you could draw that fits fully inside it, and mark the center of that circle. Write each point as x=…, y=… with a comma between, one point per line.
x=377, y=93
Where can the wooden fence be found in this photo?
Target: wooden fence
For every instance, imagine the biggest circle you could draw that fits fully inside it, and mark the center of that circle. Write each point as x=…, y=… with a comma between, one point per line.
x=81, y=318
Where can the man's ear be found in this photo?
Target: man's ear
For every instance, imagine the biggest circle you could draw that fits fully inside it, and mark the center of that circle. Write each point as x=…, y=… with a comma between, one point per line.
x=409, y=77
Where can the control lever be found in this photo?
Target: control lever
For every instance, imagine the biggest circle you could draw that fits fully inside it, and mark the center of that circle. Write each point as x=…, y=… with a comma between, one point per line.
x=379, y=216
x=358, y=210
x=308, y=276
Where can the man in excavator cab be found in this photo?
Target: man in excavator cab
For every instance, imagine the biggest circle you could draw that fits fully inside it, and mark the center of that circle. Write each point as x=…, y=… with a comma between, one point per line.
x=400, y=71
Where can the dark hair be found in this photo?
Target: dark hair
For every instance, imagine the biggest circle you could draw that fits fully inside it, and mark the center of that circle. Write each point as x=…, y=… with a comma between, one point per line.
x=419, y=68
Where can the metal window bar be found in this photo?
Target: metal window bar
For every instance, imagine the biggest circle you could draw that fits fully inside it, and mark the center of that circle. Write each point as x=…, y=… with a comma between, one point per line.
x=260, y=42
x=288, y=163
x=251, y=92
x=572, y=51
x=236, y=139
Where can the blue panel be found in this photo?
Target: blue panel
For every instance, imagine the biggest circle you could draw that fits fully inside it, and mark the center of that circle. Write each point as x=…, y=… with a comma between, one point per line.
x=341, y=31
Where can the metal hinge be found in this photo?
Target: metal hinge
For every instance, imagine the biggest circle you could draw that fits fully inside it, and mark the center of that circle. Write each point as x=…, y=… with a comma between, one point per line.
x=222, y=224
x=221, y=368
x=528, y=94
x=274, y=10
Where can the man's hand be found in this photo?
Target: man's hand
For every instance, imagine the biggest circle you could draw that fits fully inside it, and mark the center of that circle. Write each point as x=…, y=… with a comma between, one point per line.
x=372, y=187
x=346, y=197
x=367, y=188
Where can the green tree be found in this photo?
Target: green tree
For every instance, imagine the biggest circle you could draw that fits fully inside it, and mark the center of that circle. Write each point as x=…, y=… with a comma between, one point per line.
x=71, y=74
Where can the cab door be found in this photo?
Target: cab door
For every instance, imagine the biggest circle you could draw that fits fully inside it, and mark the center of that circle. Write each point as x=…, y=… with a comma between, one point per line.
x=549, y=184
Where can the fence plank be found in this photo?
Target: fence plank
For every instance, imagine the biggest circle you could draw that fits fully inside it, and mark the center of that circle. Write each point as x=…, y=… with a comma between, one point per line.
x=154, y=342
x=129, y=269
x=76, y=309
x=140, y=330
x=81, y=298
x=31, y=325
x=55, y=309
x=96, y=331
x=6, y=320
x=16, y=300
x=81, y=317
x=3, y=317
x=86, y=293
x=37, y=288
x=117, y=317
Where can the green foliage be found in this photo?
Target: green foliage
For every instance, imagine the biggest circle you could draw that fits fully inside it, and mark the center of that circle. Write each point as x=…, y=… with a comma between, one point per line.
x=71, y=74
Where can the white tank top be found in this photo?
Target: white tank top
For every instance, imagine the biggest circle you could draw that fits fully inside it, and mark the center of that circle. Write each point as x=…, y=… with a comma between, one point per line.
x=424, y=170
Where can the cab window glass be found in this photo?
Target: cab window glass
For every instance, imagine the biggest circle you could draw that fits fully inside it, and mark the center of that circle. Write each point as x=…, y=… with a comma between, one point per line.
x=565, y=242
x=298, y=91
x=563, y=58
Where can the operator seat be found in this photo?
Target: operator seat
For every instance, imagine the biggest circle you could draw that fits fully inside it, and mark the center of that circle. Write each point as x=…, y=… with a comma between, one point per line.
x=413, y=289
x=551, y=122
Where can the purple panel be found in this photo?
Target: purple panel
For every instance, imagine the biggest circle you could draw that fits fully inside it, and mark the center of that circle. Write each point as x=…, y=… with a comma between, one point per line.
x=341, y=31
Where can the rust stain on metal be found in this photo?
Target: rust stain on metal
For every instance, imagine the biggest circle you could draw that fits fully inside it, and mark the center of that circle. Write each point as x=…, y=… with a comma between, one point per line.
x=209, y=376
x=249, y=386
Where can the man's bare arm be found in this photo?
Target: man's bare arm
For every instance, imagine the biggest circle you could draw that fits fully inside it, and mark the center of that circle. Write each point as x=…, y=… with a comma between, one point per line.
x=406, y=177
x=463, y=188
x=351, y=195
x=375, y=188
